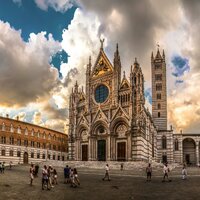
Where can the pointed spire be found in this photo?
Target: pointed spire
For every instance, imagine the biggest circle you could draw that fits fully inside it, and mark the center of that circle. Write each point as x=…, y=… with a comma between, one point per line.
x=152, y=58
x=102, y=41
x=116, y=54
x=124, y=76
x=135, y=61
x=158, y=54
x=131, y=68
x=163, y=55
x=117, y=51
x=76, y=87
x=117, y=61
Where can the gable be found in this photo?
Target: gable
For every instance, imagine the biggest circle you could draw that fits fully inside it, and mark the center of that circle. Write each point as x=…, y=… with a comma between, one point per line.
x=124, y=84
x=102, y=65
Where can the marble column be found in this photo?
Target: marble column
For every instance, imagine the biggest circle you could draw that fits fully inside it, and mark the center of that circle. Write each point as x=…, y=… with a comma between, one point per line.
x=129, y=147
x=197, y=152
x=89, y=149
x=108, y=148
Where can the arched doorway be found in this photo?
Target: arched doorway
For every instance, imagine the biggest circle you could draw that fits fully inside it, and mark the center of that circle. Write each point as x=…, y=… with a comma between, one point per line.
x=84, y=152
x=101, y=152
x=84, y=146
x=25, y=158
x=121, y=151
x=189, y=155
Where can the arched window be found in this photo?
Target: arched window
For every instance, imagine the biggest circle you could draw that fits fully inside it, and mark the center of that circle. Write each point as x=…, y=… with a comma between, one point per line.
x=11, y=152
x=11, y=128
x=164, y=142
x=159, y=114
x=26, y=131
x=176, y=145
x=32, y=132
x=3, y=127
x=19, y=130
x=3, y=152
x=158, y=96
x=159, y=106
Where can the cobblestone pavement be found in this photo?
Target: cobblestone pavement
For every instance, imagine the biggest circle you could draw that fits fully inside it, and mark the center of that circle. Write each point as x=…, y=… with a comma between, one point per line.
x=124, y=185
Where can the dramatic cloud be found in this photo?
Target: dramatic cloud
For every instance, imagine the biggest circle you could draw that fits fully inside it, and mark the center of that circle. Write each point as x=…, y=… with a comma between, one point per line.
x=37, y=119
x=25, y=73
x=80, y=41
x=57, y=5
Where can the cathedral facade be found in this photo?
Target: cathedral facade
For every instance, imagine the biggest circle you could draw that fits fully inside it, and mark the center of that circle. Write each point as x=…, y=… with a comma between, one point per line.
x=109, y=120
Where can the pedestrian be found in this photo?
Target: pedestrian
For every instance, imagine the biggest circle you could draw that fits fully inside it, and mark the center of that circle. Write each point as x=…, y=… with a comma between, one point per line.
x=76, y=179
x=166, y=171
x=36, y=170
x=149, y=172
x=71, y=176
x=55, y=177
x=10, y=164
x=184, y=172
x=45, y=178
x=122, y=166
x=3, y=167
x=107, y=173
x=31, y=174
x=0, y=167
x=50, y=176
x=66, y=174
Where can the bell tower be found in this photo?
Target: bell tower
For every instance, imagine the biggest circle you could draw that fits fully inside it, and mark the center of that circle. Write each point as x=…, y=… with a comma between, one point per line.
x=159, y=90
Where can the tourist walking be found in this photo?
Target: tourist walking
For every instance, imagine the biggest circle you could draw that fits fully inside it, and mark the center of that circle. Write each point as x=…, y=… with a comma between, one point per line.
x=31, y=174
x=66, y=174
x=184, y=172
x=45, y=178
x=55, y=177
x=122, y=166
x=0, y=167
x=10, y=164
x=166, y=172
x=76, y=179
x=50, y=176
x=3, y=167
x=71, y=176
x=36, y=170
x=107, y=173
x=149, y=172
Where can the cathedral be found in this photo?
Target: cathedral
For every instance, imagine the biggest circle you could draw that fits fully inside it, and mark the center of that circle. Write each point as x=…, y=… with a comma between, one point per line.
x=109, y=121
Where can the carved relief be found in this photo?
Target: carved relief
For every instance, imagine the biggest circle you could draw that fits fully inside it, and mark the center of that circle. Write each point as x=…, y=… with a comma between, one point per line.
x=121, y=130
x=84, y=135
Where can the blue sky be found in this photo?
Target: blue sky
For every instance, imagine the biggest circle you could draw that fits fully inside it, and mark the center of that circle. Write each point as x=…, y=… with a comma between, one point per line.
x=29, y=18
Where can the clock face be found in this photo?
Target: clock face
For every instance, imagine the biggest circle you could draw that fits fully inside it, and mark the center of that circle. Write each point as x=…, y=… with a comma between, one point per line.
x=101, y=93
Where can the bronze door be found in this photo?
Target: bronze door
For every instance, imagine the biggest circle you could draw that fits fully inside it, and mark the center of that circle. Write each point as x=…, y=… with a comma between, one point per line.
x=84, y=152
x=101, y=150
x=121, y=151
x=25, y=158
